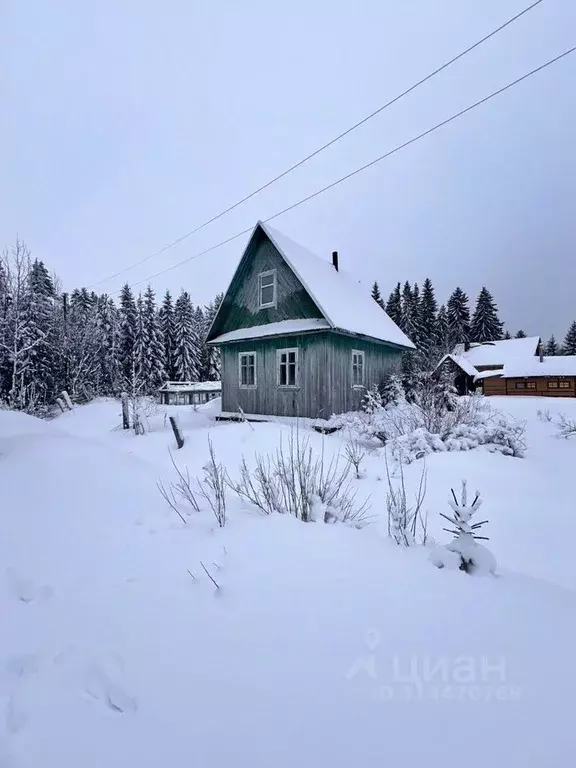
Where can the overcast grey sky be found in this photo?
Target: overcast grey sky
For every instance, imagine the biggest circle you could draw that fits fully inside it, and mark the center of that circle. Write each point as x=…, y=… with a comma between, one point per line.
x=127, y=122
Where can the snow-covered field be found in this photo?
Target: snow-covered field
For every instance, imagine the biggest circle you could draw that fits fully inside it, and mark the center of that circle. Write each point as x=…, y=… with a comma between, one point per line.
x=324, y=645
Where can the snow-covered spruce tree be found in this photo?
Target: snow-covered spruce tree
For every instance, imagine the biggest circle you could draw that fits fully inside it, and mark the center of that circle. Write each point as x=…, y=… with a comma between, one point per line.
x=418, y=327
x=458, y=317
x=485, y=325
x=376, y=295
x=442, y=335
x=569, y=345
x=41, y=356
x=141, y=345
x=155, y=371
x=4, y=357
x=81, y=348
x=408, y=312
x=127, y=339
x=464, y=552
x=507, y=336
x=210, y=361
x=391, y=389
x=168, y=330
x=552, y=346
x=520, y=335
x=372, y=400
x=186, y=342
x=394, y=305
x=107, y=343
x=428, y=313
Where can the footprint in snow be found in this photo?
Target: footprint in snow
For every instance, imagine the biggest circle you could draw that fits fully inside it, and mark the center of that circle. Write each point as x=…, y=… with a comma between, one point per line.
x=100, y=687
x=26, y=590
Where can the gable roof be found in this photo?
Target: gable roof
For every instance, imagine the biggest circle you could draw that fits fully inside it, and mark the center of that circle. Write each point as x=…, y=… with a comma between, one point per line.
x=559, y=365
x=501, y=352
x=344, y=303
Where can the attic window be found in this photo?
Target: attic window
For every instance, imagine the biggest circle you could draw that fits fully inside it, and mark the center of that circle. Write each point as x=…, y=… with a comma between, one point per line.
x=267, y=289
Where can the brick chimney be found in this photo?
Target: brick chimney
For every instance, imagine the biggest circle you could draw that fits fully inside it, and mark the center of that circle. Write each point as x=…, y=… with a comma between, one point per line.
x=335, y=260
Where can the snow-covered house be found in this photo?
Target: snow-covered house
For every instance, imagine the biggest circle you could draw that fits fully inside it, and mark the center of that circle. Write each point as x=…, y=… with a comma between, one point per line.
x=298, y=337
x=189, y=392
x=543, y=376
x=474, y=363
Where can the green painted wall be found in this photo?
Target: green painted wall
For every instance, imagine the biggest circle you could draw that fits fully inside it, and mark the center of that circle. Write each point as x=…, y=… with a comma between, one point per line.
x=240, y=306
x=325, y=375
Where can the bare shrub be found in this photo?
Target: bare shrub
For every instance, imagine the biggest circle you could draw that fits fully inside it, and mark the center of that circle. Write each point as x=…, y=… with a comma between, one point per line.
x=407, y=523
x=213, y=487
x=544, y=415
x=180, y=492
x=355, y=453
x=295, y=481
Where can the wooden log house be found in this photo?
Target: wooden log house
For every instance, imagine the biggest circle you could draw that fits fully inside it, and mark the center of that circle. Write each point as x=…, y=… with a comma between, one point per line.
x=297, y=336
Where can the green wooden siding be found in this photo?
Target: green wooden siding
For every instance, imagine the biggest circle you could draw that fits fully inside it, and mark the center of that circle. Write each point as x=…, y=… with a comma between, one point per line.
x=240, y=307
x=325, y=375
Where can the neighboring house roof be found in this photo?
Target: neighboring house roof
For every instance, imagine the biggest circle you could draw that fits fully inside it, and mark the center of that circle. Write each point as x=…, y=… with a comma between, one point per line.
x=191, y=386
x=345, y=304
x=561, y=365
x=502, y=352
x=461, y=362
x=496, y=353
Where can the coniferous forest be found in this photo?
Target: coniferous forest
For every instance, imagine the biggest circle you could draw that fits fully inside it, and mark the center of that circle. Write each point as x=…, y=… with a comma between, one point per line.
x=96, y=345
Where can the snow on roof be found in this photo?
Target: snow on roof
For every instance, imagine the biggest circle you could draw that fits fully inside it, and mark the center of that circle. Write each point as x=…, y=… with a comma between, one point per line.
x=191, y=386
x=273, y=329
x=487, y=375
x=502, y=352
x=344, y=302
x=560, y=365
x=461, y=362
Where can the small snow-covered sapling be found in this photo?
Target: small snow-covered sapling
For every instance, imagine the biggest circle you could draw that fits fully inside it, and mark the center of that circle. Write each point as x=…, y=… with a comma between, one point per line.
x=464, y=552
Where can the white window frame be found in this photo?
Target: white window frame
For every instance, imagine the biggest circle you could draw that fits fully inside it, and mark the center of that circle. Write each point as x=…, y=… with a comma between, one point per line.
x=240, y=356
x=286, y=351
x=268, y=304
x=360, y=353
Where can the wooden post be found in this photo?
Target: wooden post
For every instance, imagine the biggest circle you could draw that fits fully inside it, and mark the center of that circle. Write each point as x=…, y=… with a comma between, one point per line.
x=177, y=431
x=125, y=411
x=61, y=404
x=67, y=400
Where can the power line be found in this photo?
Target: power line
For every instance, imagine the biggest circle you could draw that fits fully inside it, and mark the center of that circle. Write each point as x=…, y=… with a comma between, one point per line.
x=320, y=149
x=391, y=152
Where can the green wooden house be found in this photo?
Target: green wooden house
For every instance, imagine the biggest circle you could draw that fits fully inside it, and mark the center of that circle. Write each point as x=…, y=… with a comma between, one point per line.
x=297, y=336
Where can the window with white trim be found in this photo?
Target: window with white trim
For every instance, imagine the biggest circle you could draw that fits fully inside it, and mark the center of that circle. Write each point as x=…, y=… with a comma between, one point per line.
x=287, y=365
x=247, y=369
x=357, y=368
x=267, y=289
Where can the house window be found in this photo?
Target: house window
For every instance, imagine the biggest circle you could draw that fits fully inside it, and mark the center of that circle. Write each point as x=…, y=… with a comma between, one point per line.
x=554, y=384
x=564, y=385
x=357, y=368
x=247, y=369
x=520, y=385
x=287, y=367
x=267, y=289
x=530, y=385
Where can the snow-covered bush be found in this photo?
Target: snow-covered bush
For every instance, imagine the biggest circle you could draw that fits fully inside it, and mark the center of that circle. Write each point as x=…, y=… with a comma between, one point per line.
x=464, y=552
x=566, y=427
x=372, y=401
x=295, y=481
x=406, y=521
x=436, y=421
x=391, y=390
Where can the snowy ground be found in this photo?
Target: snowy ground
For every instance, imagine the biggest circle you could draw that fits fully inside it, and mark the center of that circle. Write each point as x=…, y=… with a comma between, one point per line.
x=323, y=646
